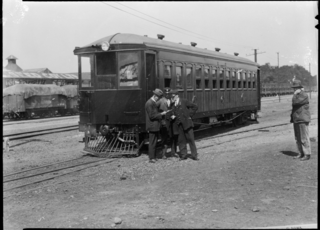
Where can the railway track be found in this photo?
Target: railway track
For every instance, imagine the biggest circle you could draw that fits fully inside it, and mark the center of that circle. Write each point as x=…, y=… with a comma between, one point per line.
x=39, y=175
x=16, y=136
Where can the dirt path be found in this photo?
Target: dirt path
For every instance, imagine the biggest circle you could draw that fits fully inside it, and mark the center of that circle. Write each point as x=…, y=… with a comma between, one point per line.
x=240, y=183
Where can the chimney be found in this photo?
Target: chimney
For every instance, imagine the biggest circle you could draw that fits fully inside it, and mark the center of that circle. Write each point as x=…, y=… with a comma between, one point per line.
x=193, y=44
x=146, y=35
x=236, y=54
x=160, y=36
x=217, y=49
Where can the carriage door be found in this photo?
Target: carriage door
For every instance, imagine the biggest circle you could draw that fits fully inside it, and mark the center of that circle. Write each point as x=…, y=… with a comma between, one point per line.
x=150, y=68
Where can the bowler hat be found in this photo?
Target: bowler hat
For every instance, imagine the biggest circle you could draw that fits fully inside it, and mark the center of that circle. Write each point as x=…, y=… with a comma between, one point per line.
x=158, y=92
x=296, y=84
x=174, y=91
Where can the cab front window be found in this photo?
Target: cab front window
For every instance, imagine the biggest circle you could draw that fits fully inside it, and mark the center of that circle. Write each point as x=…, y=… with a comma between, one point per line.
x=128, y=69
x=106, y=70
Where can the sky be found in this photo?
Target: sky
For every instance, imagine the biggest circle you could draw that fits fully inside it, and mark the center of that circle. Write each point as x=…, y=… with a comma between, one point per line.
x=44, y=34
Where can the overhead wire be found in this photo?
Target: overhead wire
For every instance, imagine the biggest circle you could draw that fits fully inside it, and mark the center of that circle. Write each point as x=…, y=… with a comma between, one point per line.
x=170, y=25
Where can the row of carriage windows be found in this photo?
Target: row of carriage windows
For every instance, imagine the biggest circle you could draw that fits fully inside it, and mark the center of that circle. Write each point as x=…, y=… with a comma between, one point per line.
x=233, y=79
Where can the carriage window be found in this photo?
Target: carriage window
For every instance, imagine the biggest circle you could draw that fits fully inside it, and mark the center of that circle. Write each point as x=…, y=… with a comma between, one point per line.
x=198, y=78
x=167, y=76
x=227, y=79
x=239, y=80
x=128, y=69
x=178, y=77
x=253, y=81
x=214, y=78
x=189, y=77
x=244, y=81
x=106, y=70
x=85, y=72
x=206, y=78
x=249, y=80
x=221, y=79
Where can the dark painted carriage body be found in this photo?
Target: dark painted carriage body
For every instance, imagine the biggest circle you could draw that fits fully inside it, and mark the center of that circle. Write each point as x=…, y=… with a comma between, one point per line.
x=160, y=64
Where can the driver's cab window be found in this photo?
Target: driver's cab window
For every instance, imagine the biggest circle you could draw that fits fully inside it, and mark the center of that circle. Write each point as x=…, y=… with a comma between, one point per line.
x=106, y=70
x=85, y=72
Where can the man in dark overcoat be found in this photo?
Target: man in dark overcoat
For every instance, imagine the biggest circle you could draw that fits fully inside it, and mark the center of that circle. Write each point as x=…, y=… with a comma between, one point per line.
x=165, y=104
x=182, y=124
x=300, y=117
x=153, y=118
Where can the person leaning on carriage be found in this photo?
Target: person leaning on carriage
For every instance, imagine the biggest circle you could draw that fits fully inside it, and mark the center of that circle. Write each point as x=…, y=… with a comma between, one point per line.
x=182, y=125
x=165, y=104
x=300, y=117
x=153, y=118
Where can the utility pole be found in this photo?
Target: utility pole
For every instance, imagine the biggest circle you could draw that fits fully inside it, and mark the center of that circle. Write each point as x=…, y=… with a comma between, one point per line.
x=255, y=54
x=278, y=79
x=309, y=80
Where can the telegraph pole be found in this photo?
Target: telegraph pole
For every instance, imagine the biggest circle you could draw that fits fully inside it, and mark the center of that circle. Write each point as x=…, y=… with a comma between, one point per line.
x=255, y=55
x=278, y=79
x=309, y=80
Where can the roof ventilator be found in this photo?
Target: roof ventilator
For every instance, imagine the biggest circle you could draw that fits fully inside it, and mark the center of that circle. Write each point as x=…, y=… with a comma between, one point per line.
x=217, y=49
x=236, y=54
x=160, y=36
x=193, y=44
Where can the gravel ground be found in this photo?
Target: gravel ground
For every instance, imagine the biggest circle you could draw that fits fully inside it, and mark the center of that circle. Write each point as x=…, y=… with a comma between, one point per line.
x=242, y=181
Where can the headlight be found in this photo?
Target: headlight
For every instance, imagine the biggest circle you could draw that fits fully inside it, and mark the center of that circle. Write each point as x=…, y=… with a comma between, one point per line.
x=105, y=46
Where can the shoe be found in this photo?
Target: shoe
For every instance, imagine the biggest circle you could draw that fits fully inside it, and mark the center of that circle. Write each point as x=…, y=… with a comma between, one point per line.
x=305, y=158
x=194, y=158
x=298, y=156
x=152, y=161
x=183, y=158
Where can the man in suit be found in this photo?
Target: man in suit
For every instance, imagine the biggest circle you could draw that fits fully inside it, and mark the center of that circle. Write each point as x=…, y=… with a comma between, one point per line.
x=182, y=124
x=165, y=104
x=153, y=118
x=300, y=117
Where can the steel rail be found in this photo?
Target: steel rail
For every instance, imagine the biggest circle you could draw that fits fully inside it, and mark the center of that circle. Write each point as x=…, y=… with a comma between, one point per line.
x=50, y=178
x=46, y=172
x=16, y=136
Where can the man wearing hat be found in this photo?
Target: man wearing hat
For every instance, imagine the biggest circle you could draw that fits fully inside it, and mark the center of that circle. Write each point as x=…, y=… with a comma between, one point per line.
x=300, y=117
x=165, y=104
x=182, y=125
x=153, y=118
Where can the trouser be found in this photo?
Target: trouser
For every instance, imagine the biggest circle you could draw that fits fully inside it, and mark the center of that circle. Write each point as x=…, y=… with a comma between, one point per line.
x=186, y=136
x=153, y=137
x=167, y=139
x=301, y=134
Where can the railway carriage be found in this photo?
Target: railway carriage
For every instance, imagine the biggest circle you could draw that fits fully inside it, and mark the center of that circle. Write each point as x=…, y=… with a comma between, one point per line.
x=23, y=101
x=126, y=68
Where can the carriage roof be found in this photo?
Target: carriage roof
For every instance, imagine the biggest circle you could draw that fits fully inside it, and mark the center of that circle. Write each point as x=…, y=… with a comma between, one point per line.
x=29, y=90
x=162, y=44
x=71, y=90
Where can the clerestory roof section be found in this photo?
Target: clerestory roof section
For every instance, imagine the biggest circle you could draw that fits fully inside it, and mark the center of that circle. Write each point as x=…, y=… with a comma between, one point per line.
x=120, y=38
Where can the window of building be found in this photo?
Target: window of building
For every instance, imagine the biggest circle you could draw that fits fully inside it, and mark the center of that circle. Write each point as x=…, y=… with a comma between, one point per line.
x=179, y=77
x=189, y=77
x=106, y=70
x=206, y=77
x=167, y=76
x=198, y=78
